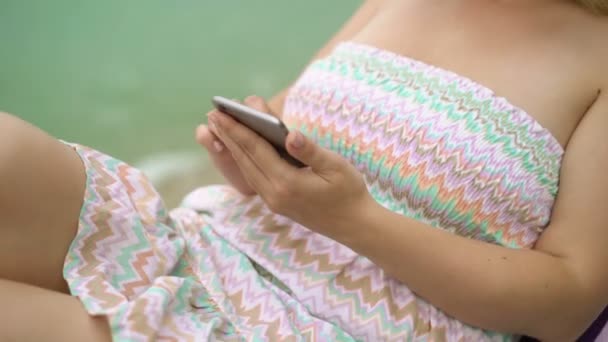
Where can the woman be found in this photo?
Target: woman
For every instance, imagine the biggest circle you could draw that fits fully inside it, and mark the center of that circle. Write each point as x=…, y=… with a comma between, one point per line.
x=430, y=209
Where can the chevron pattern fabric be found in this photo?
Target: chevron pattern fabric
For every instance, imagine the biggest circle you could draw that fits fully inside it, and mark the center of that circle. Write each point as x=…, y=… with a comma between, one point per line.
x=433, y=146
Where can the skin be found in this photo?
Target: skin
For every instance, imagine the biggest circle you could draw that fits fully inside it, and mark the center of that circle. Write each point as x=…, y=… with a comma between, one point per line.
x=544, y=56
x=42, y=182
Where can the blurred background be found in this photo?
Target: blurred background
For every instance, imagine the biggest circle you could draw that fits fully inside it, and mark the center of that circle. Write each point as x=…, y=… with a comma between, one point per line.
x=134, y=78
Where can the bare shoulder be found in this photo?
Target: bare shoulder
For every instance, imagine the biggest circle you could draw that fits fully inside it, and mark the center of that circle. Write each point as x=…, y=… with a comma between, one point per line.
x=594, y=48
x=601, y=50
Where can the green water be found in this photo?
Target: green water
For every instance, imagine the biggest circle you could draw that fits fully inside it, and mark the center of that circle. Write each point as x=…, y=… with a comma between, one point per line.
x=134, y=77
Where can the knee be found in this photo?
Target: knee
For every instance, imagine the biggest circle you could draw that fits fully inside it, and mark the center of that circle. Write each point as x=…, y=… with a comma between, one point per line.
x=30, y=158
x=4, y=117
x=9, y=126
x=21, y=145
x=13, y=134
x=16, y=130
x=8, y=135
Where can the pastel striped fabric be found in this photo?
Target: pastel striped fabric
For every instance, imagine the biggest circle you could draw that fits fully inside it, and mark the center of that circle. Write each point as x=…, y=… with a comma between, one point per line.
x=433, y=145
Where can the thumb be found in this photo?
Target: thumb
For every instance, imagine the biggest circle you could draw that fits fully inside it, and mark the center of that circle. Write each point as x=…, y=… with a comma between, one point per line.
x=309, y=153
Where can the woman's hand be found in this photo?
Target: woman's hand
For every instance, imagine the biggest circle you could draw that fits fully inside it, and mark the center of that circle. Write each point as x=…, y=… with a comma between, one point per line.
x=321, y=197
x=221, y=157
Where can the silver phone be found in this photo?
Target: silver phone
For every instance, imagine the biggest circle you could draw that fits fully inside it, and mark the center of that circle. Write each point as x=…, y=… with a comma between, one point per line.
x=267, y=126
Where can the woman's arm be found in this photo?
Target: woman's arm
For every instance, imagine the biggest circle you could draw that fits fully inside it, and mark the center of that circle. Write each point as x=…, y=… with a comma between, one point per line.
x=365, y=12
x=553, y=292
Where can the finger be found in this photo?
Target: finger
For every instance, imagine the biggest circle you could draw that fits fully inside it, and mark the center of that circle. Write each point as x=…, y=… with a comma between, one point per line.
x=249, y=169
x=257, y=103
x=259, y=150
x=214, y=142
x=210, y=141
x=311, y=154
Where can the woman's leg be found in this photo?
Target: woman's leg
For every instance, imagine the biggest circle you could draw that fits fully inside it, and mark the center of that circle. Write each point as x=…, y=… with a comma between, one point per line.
x=41, y=191
x=30, y=313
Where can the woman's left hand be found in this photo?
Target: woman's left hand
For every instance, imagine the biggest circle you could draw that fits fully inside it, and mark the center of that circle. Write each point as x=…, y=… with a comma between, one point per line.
x=323, y=197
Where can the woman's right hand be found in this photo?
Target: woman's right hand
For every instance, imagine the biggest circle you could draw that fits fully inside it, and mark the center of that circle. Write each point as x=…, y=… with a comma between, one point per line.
x=221, y=156
x=222, y=159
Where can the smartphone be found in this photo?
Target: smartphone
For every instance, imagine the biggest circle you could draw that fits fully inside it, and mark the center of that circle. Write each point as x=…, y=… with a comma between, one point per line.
x=267, y=126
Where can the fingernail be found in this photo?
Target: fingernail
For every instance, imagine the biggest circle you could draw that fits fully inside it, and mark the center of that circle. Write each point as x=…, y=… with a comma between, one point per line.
x=298, y=141
x=214, y=121
x=218, y=146
x=211, y=123
x=255, y=100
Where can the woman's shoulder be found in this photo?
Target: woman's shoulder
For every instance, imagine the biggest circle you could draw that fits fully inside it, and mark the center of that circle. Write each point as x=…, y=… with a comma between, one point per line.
x=581, y=41
x=592, y=46
x=602, y=52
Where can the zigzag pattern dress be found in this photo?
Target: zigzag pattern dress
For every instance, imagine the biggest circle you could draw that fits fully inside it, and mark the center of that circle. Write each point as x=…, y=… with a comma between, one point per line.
x=433, y=145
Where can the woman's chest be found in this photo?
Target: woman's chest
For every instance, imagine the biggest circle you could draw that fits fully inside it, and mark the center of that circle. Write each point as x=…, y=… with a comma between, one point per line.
x=522, y=56
x=433, y=145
